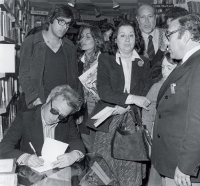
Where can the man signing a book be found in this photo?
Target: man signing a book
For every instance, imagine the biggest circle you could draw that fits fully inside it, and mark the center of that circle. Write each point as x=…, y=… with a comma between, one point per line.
x=53, y=120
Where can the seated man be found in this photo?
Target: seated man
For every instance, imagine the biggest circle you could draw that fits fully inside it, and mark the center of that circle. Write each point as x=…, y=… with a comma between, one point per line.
x=52, y=120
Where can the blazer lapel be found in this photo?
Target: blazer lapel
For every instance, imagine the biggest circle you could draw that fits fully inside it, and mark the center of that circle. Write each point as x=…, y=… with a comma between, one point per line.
x=176, y=74
x=136, y=72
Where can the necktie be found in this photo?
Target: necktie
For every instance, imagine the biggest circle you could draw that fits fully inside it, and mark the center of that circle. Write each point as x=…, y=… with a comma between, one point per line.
x=150, y=48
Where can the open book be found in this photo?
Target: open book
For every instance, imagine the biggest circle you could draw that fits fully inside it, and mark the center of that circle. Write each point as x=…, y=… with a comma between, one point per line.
x=50, y=151
x=103, y=115
x=89, y=79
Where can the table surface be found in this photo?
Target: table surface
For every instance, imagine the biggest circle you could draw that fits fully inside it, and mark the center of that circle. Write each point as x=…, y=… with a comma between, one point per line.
x=69, y=176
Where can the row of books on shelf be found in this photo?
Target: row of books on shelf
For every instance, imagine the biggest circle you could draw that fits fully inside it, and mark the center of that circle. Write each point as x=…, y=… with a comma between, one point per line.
x=15, y=5
x=194, y=6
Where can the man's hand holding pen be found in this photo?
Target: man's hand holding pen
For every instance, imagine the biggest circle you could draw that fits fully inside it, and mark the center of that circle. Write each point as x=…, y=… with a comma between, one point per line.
x=33, y=161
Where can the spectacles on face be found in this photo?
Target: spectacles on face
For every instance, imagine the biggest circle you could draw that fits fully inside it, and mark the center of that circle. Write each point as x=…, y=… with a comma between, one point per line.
x=55, y=112
x=168, y=33
x=62, y=22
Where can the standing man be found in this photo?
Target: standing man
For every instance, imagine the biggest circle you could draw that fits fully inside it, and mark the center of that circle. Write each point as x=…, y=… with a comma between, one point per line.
x=47, y=59
x=153, y=37
x=176, y=137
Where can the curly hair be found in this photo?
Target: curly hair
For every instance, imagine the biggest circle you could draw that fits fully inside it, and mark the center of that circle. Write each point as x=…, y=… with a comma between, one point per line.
x=96, y=35
x=190, y=22
x=139, y=41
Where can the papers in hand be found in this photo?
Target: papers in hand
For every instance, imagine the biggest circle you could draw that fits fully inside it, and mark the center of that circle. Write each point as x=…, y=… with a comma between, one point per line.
x=50, y=151
x=89, y=79
x=103, y=115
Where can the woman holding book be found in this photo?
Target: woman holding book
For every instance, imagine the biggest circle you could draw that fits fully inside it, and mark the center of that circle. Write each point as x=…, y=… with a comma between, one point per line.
x=123, y=80
x=90, y=45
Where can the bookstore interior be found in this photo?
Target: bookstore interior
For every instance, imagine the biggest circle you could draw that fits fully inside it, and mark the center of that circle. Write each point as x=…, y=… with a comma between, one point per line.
x=17, y=17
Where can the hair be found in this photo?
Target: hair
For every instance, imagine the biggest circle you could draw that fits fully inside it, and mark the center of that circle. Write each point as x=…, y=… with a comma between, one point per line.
x=137, y=10
x=190, y=22
x=106, y=27
x=96, y=35
x=139, y=41
x=175, y=12
x=69, y=95
x=59, y=10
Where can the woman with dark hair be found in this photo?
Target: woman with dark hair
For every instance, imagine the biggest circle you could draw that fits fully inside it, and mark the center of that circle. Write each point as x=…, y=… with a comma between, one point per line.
x=90, y=45
x=123, y=80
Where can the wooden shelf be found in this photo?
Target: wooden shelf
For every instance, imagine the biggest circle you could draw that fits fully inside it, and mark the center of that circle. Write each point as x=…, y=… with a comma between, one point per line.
x=4, y=39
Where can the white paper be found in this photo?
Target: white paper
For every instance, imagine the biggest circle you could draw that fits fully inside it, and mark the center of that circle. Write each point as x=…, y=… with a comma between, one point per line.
x=8, y=179
x=50, y=151
x=89, y=79
x=6, y=165
x=103, y=115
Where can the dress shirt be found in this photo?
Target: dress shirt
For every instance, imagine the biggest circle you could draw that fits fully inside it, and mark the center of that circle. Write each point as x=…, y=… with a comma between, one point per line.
x=189, y=53
x=155, y=39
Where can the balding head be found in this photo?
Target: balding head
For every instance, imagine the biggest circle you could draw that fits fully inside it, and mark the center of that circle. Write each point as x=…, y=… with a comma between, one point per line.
x=146, y=18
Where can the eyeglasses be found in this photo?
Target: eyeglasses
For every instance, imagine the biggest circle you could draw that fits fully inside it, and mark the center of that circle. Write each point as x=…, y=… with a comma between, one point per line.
x=168, y=33
x=62, y=22
x=55, y=112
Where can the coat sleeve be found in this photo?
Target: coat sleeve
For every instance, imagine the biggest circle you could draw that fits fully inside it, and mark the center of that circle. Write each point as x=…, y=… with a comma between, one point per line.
x=11, y=140
x=189, y=158
x=25, y=77
x=105, y=90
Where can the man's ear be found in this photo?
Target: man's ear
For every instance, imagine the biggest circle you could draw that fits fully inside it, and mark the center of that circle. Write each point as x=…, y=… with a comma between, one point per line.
x=186, y=36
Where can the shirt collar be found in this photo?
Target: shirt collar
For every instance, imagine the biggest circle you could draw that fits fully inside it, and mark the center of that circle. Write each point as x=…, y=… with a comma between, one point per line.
x=189, y=53
x=134, y=55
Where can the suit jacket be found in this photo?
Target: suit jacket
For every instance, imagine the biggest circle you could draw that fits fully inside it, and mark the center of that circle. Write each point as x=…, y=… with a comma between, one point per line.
x=110, y=84
x=176, y=138
x=27, y=127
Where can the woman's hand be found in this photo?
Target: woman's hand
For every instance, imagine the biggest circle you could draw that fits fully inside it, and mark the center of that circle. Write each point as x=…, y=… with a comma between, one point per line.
x=120, y=110
x=140, y=101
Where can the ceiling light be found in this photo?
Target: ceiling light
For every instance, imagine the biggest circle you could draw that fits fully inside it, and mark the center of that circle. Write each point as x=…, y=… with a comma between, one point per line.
x=72, y=3
x=97, y=13
x=115, y=4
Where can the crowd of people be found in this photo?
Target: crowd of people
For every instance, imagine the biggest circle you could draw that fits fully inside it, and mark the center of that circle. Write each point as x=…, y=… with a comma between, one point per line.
x=138, y=65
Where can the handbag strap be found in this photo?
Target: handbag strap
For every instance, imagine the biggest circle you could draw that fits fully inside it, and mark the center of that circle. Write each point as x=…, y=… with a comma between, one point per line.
x=124, y=119
x=136, y=116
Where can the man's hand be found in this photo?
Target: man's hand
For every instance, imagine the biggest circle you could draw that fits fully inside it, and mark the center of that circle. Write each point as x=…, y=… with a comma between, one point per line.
x=181, y=179
x=37, y=102
x=33, y=161
x=66, y=159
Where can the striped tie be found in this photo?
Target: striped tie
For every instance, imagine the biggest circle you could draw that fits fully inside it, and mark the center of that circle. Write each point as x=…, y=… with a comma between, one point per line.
x=150, y=48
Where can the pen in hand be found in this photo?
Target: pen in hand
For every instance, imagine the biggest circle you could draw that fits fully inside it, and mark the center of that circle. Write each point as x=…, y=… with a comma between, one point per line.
x=32, y=148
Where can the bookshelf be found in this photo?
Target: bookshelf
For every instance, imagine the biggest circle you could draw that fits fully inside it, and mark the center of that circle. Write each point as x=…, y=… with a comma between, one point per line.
x=15, y=21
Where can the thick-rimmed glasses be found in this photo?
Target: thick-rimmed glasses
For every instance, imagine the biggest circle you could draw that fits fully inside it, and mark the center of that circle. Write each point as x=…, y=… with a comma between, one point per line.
x=168, y=33
x=56, y=112
x=62, y=22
